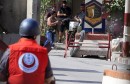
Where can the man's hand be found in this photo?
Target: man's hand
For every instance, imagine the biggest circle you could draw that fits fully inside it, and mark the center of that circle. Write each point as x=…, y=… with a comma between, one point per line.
x=64, y=14
x=61, y=14
x=56, y=22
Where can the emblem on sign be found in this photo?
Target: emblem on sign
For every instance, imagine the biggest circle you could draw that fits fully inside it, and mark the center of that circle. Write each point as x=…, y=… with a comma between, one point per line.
x=28, y=62
x=93, y=13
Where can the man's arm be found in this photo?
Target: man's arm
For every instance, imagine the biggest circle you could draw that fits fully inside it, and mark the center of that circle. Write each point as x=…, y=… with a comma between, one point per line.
x=4, y=66
x=49, y=23
x=60, y=14
x=76, y=18
x=49, y=77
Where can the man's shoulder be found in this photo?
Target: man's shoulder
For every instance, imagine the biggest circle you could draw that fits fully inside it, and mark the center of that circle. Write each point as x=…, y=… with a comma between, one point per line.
x=49, y=18
x=81, y=14
x=68, y=8
x=14, y=44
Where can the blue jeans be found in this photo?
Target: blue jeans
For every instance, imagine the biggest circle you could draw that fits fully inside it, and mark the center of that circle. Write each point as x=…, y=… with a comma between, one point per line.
x=50, y=38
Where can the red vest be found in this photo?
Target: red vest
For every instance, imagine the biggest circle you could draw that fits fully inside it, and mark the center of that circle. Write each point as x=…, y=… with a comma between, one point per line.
x=27, y=62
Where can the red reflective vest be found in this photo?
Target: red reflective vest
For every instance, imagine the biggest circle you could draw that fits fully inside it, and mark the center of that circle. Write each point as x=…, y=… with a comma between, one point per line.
x=27, y=62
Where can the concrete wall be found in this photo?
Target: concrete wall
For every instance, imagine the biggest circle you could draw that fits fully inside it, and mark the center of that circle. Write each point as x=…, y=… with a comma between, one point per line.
x=76, y=6
x=12, y=12
x=8, y=39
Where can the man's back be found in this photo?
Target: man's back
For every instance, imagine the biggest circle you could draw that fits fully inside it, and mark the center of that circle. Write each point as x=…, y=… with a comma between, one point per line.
x=27, y=62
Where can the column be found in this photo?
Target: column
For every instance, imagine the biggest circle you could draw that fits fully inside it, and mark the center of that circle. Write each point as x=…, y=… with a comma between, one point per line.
x=33, y=11
x=126, y=34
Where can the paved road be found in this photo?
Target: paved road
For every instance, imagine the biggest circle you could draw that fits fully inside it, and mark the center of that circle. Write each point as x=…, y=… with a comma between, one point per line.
x=79, y=70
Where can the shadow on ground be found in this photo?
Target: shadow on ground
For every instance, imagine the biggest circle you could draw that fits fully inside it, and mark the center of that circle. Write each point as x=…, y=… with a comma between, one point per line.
x=79, y=81
x=75, y=70
x=92, y=57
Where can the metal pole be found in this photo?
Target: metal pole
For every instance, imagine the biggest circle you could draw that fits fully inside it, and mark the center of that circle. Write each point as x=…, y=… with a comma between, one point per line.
x=93, y=30
x=126, y=37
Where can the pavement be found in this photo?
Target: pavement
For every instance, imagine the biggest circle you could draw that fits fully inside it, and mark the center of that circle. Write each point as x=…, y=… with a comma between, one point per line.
x=87, y=70
x=116, y=57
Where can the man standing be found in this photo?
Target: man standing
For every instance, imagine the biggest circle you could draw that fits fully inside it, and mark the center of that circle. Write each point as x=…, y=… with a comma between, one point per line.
x=26, y=62
x=52, y=28
x=64, y=16
x=81, y=15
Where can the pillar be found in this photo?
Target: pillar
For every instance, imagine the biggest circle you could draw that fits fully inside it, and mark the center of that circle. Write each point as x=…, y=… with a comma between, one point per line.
x=126, y=34
x=33, y=11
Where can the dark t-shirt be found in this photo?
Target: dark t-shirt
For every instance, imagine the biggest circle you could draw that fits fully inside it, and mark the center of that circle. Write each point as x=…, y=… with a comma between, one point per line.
x=66, y=11
x=81, y=15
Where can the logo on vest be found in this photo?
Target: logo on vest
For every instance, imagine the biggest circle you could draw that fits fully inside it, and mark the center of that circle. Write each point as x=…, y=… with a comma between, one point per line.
x=28, y=62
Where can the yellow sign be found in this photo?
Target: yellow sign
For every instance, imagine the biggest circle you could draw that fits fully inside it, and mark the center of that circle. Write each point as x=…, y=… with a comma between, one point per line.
x=93, y=13
x=93, y=20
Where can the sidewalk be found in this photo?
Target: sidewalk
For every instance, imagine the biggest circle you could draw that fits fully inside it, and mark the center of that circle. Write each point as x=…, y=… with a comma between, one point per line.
x=114, y=58
x=117, y=58
x=72, y=70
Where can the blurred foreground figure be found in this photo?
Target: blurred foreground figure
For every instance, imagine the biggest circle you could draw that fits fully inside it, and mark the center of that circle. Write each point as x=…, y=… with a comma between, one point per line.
x=26, y=62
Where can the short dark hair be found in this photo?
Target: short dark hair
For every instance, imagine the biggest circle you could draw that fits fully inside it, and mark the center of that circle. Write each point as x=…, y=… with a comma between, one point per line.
x=64, y=2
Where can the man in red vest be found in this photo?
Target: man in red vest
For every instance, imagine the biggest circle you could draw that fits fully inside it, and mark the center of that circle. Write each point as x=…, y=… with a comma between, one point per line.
x=26, y=62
